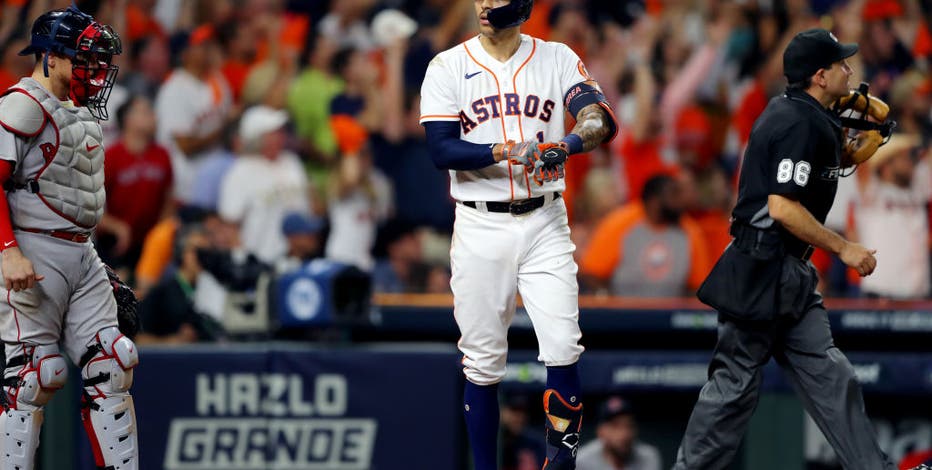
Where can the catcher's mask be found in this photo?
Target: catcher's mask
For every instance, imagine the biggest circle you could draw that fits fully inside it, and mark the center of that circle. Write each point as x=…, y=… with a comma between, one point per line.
x=862, y=108
x=854, y=110
x=90, y=46
x=510, y=15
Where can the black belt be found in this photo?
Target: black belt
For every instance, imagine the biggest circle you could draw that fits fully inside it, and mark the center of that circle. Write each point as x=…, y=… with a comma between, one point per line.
x=519, y=207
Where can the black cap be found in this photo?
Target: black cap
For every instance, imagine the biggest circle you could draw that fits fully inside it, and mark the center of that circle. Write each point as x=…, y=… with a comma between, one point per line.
x=812, y=50
x=614, y=406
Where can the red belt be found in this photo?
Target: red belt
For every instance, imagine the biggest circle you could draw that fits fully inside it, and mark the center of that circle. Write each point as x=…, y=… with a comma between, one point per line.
x=77, y=237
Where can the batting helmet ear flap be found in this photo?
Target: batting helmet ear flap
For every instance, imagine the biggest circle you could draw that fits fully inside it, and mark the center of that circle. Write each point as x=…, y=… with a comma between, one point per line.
x=511, y=15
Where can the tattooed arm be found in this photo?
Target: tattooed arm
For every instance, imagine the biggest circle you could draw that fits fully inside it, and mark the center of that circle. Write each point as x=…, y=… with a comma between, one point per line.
x=595, y=122
x=592, y=126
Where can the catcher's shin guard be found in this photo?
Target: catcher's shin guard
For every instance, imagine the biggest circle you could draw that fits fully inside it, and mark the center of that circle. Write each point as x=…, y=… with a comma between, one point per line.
x=19, y=430
x=32, y=375
x=107, y=408
x=563, y=423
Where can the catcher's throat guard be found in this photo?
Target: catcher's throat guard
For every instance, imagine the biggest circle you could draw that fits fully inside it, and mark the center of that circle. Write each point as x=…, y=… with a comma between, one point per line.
x=865, y=118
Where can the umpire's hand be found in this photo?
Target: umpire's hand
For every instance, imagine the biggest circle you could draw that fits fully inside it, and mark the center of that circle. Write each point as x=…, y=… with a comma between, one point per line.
x=859, y=258
x=18, y=273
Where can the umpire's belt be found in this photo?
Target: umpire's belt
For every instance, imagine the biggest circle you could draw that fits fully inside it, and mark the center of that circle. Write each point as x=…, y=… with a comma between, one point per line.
x=519, y=207
x=77, y=237
x=751, y=238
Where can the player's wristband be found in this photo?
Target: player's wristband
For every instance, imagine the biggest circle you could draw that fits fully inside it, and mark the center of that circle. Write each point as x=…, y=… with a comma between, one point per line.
x=8, y=244
x=573, y=143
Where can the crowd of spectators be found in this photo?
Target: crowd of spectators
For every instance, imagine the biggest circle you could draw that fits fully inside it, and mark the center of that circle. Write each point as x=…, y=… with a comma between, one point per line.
x=281, y=131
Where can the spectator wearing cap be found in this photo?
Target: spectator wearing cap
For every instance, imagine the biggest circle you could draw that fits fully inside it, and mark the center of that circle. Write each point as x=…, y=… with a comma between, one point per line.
x=193, y=108
x=893, y=195
x=303, y=234
x=617, y=446
x=265, y=182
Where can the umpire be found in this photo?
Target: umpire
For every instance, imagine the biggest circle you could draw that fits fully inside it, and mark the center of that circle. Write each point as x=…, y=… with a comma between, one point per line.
x=763, y=286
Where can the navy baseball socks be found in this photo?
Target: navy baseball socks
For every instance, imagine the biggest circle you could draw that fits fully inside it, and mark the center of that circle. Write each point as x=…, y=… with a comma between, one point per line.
x=481, y=411
x=563, y=417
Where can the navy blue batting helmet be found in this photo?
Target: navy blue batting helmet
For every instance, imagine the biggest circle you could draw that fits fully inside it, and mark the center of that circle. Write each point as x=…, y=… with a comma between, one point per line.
x=511, y=15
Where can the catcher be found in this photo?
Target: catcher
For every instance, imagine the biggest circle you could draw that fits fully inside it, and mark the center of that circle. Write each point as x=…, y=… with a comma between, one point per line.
x=55, y=297
x=764, y=287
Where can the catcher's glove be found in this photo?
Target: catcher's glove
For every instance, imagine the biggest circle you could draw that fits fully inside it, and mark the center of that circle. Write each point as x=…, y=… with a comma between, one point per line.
x=126, y=301
x=865, y=118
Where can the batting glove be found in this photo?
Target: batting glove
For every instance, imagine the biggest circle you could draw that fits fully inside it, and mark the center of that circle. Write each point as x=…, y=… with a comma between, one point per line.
x=523, y=153
x=548, y=165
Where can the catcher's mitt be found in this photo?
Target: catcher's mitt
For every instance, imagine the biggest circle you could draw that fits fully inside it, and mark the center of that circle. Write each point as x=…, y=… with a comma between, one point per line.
x=865, y=118
x=126, y=302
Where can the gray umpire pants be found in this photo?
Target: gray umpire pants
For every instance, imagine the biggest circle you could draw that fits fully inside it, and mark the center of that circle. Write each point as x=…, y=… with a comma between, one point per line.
x=820, y=374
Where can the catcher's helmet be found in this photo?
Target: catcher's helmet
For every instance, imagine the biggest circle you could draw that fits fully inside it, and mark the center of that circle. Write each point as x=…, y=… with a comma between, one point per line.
x=511, y=15
x=90, y=46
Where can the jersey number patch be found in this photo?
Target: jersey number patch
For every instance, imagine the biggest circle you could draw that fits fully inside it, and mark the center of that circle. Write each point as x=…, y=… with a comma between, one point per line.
x=797, y=172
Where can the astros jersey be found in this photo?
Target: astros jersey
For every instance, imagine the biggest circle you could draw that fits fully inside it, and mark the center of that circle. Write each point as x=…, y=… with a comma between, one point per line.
x=520, y=99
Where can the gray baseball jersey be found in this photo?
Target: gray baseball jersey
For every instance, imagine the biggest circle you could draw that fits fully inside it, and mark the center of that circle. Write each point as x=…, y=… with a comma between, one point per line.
x=58, y=156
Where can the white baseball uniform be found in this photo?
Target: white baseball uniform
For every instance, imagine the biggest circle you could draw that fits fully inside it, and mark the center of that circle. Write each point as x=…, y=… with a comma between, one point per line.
x=493, y=253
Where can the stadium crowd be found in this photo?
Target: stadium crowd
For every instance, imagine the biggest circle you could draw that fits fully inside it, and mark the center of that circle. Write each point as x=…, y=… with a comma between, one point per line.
x=267, y=133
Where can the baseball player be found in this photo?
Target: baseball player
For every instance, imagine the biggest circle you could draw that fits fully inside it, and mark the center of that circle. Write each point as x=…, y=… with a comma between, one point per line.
x=56, y=296
x=764, y=286
x=493, y=110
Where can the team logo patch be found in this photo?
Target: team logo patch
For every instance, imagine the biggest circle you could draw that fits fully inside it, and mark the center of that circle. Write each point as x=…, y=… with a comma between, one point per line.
x=583, y=70
x=657, y=261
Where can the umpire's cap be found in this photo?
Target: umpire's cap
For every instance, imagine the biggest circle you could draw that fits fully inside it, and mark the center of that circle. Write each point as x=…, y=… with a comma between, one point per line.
x=812, y=50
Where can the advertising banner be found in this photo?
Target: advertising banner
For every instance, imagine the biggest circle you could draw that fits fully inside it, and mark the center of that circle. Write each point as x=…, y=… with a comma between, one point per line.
x=297, y=409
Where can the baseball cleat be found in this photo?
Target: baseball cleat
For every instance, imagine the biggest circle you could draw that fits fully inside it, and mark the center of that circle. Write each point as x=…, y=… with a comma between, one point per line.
x=563, y=423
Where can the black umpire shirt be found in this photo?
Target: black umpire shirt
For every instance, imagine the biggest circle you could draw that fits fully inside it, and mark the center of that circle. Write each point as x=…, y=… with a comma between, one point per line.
x=795, y=151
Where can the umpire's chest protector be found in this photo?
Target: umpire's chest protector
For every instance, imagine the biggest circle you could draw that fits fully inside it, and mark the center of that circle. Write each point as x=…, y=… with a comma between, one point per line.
x=71, y=179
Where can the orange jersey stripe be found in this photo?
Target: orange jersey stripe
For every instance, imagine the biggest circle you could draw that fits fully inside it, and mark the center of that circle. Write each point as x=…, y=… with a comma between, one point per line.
x=501, y=114
x=514, y=82
x=439, y=116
